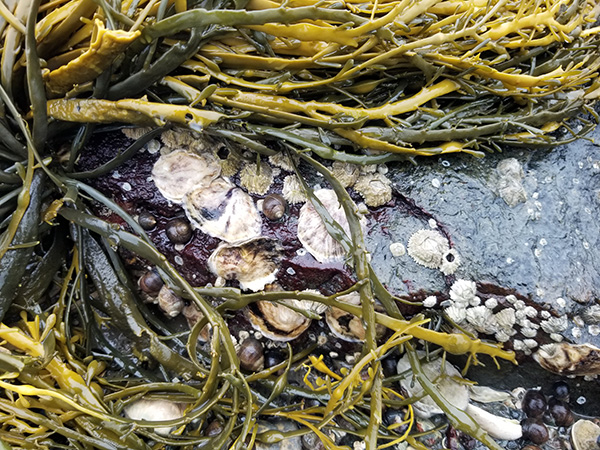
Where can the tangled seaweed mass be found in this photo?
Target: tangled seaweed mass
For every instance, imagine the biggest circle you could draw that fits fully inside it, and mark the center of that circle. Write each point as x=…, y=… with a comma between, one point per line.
x=313, y=83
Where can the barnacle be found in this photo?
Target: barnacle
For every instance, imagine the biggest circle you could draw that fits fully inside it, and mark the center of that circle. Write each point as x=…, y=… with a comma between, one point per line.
x=292, y=190
x=375, y=189
x=427, y=248
x=256, y=178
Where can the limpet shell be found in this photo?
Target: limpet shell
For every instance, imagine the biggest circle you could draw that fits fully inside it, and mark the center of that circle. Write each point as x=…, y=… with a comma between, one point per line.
x=155, y=410
x=345, y=325
x=180, y=171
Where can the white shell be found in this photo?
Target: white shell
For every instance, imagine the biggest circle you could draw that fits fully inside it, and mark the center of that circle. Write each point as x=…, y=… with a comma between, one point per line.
x=223, y=211
x=253, y=263
x=456, y=393
x=463, y=292
x=584, y=435
x=180, y=171
x=457, y=314
x=312, y=232
x=427, y=247
x=154, y=411
x=506, y=318
x=450, y=262
x=496, y=426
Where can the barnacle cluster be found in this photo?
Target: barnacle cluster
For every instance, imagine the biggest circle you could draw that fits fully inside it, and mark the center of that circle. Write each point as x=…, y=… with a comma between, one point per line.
x=337, y=90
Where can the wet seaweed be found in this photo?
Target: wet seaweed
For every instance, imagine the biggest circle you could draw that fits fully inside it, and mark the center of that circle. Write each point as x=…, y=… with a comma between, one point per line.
x=364, y=83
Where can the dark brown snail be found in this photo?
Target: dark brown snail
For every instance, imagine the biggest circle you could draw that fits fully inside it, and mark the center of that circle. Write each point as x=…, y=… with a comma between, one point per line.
x=146, y=220
x=534, y=404
x=213, y=429
x=274, y=207
x=151, y=282
x=560, y=389
x=560, y=412
x=535, y=431
x=251, y=355
x=179, y=231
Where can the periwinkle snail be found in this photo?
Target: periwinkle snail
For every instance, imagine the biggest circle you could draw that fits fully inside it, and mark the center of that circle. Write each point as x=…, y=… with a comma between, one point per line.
x=274, y=207
x=534, y=404
x=179, y=231
x=534, y=430
x=151, y=282
x=146, y=220
x=251, y=355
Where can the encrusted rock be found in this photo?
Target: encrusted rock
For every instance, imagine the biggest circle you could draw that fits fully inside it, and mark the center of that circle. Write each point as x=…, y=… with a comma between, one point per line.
x=510, y=187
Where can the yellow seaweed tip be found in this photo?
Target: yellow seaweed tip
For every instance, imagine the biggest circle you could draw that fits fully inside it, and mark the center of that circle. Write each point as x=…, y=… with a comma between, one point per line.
x=105, y=46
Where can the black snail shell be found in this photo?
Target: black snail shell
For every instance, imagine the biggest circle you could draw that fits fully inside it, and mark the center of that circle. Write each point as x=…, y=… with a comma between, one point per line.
x=251, y=355
x=146, y=220
x=274, y=207
x=560, y=389
x=179, y=231
x=151, y=282
x=534, y=404
x=535, y=431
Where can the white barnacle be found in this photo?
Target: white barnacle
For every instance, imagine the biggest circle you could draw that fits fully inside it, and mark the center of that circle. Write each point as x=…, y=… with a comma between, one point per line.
x=345, y=173
x=292, y=190
x=501, y=336
x=463, y=291
x=397, y=249
x=313, y=233
x=450, y=262
x=506, y=318
x=256, y=178
x=530, y=343
x=283, y=161
x=591, y=314
x=430, y=301
x=456, y=314
x=531, y=312
x=482, y=319
x=511, y=299
x=181, y=171
x=427, y=247
x=529, y=332
x=223, y=211
x=491, y=303
x=555, y=324
x=375, y=189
